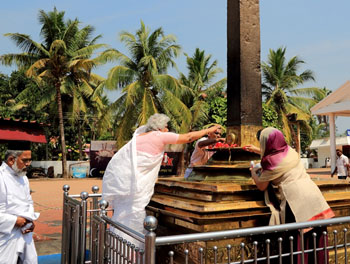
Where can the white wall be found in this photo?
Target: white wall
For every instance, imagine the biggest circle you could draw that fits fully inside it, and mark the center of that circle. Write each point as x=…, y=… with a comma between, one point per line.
x=58, y=165
x=323, y=153
x=309, y=163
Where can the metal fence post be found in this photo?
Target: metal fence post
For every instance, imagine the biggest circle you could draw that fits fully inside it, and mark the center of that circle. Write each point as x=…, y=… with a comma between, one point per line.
x=93, y=206
x=95, y=190
x=150, y=224
x=64, y=226
x=82, y=229
x=101, y=245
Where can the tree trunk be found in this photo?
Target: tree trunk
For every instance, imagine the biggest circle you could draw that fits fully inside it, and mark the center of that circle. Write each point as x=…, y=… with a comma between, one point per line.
x=298, y=138
x=61, y=126
x=325, y=120
x=295, y=137
x=80, y=145
x=93, y=136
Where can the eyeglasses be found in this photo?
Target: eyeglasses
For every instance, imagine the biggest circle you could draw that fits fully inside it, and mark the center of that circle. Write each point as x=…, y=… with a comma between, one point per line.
x=217, y=133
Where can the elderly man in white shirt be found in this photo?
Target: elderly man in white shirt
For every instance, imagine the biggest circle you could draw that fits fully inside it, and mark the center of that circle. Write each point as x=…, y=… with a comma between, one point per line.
x=342, y=166
x=16, y=210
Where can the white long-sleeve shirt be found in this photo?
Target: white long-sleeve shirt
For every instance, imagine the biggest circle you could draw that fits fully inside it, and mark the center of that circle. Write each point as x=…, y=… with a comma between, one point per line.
x=15, y=200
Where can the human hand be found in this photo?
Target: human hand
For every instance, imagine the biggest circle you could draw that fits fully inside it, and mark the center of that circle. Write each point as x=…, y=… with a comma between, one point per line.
x=29, y=227
x=255, y=169
x=213, y=129
x=252, y=148
x=21, y=221
x=255, y=172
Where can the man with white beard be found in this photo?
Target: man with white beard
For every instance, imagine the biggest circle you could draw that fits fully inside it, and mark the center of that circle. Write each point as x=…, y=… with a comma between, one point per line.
x=16, y=210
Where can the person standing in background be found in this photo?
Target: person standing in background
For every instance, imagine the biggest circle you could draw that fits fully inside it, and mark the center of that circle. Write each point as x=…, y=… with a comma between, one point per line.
x=342, y=166
x=16, y=209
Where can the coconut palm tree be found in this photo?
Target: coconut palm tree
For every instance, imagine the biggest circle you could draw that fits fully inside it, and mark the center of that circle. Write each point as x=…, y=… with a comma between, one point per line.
x=281, y=92
x=200, y=81
x=91, y=108
x=65, y=50
x=142, y=77
x=323, y=119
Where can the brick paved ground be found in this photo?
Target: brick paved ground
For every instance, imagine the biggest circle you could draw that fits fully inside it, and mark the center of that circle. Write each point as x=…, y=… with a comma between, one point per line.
x=48, y=200
x=47, y=195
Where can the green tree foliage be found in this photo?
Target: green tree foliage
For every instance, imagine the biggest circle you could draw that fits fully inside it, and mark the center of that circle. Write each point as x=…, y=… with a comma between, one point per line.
x=321, y=127
x=269, y=117
x=6, y=96
x=10, y=88
x=281, y=92
x=146, y=88
x=200, y=88
x=218, y=111
x=65, y=51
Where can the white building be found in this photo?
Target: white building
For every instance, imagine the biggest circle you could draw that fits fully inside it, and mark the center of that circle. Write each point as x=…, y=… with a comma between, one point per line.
x=335, y=104
x=324, y=151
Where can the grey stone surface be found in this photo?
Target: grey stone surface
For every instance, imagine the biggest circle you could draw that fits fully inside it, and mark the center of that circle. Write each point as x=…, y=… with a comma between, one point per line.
x=243, y=63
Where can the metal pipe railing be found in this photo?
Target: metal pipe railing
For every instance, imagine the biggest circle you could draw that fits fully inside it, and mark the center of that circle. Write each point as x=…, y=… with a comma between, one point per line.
x=125, y=249
x=74, y=224
x=169, y=240
x=128, y=231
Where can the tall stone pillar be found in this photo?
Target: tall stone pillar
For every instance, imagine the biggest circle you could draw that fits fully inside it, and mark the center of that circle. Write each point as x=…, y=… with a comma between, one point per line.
x=244, y=105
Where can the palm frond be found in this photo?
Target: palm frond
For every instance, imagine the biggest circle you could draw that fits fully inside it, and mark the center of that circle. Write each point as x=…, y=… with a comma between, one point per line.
x=21, y=60
x=133, y=91
x=301, y=115
x=286, y=129
x=199, y=113
x=112, y=55
x=148, y=107
x=119, y=76
x=87, y=51
x=126, y=126
x=37, y=66
x=25, y=43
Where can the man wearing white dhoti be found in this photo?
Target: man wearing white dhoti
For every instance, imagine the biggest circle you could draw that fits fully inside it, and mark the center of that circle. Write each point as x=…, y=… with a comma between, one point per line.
x=16, y=210
x=130, y=176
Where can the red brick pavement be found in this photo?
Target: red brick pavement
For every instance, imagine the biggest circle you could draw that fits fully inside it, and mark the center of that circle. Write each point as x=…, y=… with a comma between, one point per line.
x=48, y=200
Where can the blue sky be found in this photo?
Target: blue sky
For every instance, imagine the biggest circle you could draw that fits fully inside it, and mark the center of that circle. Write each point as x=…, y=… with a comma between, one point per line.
x=315, y=30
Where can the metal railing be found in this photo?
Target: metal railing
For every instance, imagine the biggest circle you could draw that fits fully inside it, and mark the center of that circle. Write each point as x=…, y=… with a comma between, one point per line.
x=252, y=250
x=86, y=234
x=78, y=211
x=277, y=244
x=108, y=247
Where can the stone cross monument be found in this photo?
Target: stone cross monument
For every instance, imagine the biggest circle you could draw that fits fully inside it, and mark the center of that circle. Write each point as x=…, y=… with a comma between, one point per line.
x=244, y=105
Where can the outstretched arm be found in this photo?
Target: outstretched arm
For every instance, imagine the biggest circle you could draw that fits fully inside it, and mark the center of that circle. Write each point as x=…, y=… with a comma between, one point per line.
x=192, y=136
x=252, y=148
x=210, y=141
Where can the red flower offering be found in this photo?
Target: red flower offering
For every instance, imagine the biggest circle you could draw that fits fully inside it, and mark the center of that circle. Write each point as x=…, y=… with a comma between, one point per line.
x=221, y=145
